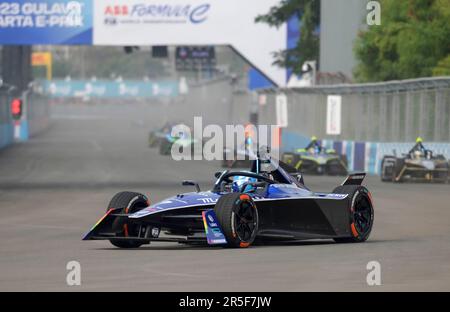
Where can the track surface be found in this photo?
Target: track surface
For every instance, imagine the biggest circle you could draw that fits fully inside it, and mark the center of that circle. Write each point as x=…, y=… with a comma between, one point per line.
x=54, y=187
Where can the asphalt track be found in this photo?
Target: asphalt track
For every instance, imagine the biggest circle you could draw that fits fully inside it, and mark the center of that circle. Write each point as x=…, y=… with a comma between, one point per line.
x=54, y=187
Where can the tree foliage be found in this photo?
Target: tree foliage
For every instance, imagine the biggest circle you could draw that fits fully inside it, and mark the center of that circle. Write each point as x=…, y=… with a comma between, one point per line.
x=412, y=41
x=308, y=46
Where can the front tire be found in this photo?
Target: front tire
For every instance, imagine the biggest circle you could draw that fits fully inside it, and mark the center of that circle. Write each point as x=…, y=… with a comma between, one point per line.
x=238, y=217
x=361, y=213
x=126, y=202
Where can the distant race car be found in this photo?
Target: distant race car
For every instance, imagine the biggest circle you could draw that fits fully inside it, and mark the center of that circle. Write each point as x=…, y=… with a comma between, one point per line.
x=266, y=203
x=156, y=136
x=315, y=159
x=183, y=140
x=181, y=143
x=419, y=164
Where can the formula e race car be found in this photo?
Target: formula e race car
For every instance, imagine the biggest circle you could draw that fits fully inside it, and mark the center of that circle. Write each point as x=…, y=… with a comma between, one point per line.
x=315, y=159
x=156, y=136
x=182, y=141
x=269, y=202
x=419, y=164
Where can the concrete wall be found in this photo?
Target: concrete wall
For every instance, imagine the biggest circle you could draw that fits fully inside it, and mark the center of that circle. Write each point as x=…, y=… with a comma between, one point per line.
x=6, y=126
x=340, y=22
x=35, y=119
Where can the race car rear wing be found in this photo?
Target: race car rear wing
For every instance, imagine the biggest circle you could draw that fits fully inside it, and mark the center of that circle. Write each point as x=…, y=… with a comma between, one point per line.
x=354, y=179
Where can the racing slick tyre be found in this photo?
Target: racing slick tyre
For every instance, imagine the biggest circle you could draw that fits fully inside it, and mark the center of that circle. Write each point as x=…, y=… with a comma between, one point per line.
x=238, y=218
x=442, y=177
x=288, y=158
x=165, y=147
x=126, y=202
x=360, y=211
x=344, y=160
x=152, y=140
x=387, y=171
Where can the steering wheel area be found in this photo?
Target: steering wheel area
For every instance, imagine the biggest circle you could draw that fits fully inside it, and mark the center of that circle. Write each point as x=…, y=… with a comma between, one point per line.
x=224, y=184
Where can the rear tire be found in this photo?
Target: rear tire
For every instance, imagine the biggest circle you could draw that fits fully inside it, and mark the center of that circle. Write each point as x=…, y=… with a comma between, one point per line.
x=238, y=218
x=165, y=147
x=126, y=202
x=384, y=175
x=288, y=158
x=361, y=213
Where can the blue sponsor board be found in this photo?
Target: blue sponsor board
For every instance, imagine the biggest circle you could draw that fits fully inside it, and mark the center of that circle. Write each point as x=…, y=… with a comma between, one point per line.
x=46, y=22
x=110, y=89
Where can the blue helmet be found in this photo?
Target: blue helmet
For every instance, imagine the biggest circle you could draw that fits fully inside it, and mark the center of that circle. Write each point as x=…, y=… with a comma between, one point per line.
x=238, y=182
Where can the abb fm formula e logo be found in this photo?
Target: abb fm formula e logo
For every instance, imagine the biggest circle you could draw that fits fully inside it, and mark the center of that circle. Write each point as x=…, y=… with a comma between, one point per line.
x=156, y=13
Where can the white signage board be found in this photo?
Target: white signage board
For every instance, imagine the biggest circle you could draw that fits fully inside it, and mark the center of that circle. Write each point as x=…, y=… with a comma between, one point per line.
x=194, y=22
x=282, y=110
x=334, y=107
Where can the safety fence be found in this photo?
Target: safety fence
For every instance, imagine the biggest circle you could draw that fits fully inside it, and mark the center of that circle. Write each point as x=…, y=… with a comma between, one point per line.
x=397, y=111
x=375, y=118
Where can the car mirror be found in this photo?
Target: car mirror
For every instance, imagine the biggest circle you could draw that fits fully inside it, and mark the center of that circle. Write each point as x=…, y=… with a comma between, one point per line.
x=217, y=174
x=193, y=183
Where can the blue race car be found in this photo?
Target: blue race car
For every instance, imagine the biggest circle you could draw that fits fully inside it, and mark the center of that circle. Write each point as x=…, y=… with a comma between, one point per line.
x=266, y=203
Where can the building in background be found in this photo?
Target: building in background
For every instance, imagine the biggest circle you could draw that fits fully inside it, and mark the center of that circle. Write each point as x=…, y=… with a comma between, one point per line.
x=341, y=20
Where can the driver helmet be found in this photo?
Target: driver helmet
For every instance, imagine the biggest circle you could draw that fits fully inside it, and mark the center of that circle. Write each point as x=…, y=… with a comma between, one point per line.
x=238, y=181
x=419, y=140
x=317, y=149
x=417, y=154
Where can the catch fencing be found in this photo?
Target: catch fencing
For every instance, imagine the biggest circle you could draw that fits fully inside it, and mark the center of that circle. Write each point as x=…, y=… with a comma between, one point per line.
x=375, y=117
x=396, y=111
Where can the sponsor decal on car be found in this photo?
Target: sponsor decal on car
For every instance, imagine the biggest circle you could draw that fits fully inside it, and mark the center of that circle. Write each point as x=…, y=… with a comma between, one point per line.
x=213, y=232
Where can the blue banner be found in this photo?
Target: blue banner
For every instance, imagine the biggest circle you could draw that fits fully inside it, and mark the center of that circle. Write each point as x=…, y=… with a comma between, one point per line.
x=110, y=89
x=46, y=22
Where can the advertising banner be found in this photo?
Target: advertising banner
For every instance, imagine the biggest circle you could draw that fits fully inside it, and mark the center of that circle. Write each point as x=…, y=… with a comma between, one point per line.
x=194, y=22
x=46, y=22
x=282, y=110
x=149, y=23
x=334, y=103
x=110, y=89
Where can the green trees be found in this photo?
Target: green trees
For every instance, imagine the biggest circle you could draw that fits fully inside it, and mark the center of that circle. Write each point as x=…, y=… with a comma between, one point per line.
x=308, y=45
x=412, y=41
